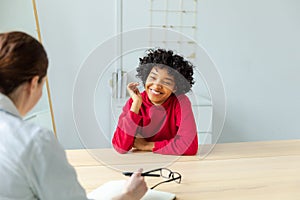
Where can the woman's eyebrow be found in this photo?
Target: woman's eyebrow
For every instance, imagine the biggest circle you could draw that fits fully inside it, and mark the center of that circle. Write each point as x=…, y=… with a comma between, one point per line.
x=169, y=79
x=166, y=78
x=153, y=73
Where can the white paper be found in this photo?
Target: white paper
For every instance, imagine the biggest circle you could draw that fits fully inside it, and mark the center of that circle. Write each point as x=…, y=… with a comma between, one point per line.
x=112, y=188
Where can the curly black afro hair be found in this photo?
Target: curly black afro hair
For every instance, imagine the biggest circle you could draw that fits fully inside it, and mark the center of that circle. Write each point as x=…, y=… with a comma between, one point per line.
x=178, y=67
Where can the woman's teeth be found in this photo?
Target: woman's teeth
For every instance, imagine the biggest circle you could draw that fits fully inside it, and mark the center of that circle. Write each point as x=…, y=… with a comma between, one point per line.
x=154, y=91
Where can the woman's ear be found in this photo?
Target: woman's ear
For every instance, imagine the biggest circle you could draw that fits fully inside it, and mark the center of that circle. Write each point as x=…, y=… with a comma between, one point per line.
x=33, y=83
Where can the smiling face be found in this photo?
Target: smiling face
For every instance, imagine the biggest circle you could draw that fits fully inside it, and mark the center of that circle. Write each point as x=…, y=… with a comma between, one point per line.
x=159, y=85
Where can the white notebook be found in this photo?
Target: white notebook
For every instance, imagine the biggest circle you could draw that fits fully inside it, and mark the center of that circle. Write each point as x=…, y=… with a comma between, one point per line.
x=112, y=188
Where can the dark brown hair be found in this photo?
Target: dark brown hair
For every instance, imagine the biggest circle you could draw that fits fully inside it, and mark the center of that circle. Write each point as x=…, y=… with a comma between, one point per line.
x=21, y=58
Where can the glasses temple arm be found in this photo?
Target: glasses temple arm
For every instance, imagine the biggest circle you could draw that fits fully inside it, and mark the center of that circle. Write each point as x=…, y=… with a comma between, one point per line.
x=164, y=182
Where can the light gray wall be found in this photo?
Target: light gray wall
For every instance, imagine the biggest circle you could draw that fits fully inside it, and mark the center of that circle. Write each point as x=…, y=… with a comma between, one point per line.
x=255, y=45
x=71, y=30
x=18, y=15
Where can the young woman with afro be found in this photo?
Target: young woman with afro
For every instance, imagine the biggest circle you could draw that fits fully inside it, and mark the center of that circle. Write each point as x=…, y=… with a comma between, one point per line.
x=159, y=119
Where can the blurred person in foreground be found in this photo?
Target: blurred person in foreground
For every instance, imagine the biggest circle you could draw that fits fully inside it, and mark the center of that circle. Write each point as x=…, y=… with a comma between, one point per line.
x=33, y=165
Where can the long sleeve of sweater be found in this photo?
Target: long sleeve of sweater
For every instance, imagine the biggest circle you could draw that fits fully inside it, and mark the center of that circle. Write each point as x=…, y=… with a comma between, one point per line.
x=127, y=125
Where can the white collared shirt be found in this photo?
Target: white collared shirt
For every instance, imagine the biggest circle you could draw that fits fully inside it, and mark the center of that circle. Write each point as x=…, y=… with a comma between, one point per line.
x=32, y=163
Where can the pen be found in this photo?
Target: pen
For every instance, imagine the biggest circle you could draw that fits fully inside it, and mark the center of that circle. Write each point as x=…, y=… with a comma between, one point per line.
x=142, y=174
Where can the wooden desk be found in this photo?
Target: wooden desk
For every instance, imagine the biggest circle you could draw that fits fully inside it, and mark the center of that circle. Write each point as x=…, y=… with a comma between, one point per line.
x=250, y=170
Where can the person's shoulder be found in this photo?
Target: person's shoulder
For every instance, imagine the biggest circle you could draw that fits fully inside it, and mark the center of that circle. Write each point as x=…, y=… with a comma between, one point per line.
x=40, y=139
x=20, y=127
x=183, y=98
x=36, y=130
x=24, y=137
x=181, y=101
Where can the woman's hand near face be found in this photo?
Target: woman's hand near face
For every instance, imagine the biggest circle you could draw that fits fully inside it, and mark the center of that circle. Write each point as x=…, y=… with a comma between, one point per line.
x=135, y=96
